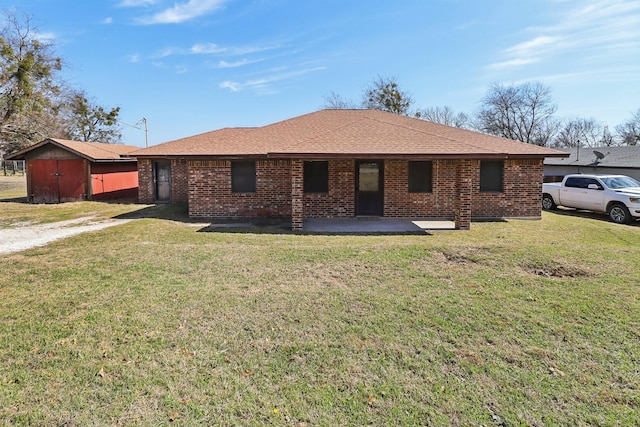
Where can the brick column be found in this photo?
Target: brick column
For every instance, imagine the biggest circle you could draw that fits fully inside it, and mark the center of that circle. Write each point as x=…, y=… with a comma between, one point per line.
x=297, y=194
x=146, y=193
x=464, y=180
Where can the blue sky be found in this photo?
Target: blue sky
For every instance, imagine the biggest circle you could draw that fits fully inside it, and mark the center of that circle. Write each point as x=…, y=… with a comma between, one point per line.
x=191, y=66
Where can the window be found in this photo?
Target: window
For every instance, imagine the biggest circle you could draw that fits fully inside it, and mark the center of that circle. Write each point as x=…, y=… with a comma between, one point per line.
x=491, y=175
x=243, y=177
x=420, y=177
x=316, y=177
x=580, y=182
x=574, y=182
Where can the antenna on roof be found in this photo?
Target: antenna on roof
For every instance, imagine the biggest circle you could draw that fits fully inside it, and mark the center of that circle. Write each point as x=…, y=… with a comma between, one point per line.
x=599, y=156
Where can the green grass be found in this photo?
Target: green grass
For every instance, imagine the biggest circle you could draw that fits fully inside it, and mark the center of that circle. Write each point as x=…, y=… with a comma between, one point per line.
x=156, y=323
x=15, y=210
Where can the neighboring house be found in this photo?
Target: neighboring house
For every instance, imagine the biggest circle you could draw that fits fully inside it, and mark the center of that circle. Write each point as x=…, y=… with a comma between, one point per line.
x=601, y=160
x=346, y=163
x=63, y=171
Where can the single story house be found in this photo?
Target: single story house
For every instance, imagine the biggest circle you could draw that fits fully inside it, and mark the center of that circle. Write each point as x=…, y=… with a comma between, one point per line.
x=59, y=170
x=346, y=163
x=601, y=160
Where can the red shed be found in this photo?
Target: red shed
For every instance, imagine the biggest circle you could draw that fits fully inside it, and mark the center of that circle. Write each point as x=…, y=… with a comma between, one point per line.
x=59, y=170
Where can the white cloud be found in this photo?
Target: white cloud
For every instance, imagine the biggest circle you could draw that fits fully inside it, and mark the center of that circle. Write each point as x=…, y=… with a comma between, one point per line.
x=134, y=59
x=236, y=64
x=264, y=84
x=531, y=46
x=108, y=20
x=45, y=37
x=182, y=12
x=601, y=30
x=212, y=48
x=232, y=86
x=515, y=62
x=207, y=48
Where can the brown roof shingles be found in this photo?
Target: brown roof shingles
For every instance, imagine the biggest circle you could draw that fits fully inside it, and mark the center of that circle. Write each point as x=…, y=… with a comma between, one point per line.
x=340, y=133
x=94, y=151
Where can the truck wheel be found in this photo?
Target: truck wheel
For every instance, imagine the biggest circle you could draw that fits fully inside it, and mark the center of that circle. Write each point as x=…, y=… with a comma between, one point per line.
x=619, y=214
x=547, y=202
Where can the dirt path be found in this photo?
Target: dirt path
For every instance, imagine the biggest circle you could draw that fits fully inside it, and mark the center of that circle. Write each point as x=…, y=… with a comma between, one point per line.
x=25, y=236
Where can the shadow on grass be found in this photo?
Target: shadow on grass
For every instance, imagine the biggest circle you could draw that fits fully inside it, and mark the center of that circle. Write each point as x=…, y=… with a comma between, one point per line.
x=170, y=211
x=14, y=200
x=280, y=226
x=276, y=226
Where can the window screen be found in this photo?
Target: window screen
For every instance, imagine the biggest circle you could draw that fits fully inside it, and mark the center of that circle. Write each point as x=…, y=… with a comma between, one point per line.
x=420, y=177
x=316, y=177
x=243, y=177
x=491, y=175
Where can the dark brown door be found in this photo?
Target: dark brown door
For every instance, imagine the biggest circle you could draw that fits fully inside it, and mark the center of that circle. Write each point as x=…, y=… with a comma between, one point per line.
x=163, y=181
x=369, y=191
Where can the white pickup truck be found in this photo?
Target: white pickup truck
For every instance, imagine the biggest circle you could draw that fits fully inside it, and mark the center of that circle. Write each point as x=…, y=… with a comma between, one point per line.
x=616, y=195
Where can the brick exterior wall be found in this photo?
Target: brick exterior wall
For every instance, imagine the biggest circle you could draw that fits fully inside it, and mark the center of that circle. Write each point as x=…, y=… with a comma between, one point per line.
x=179, y=180
x=206, y=185
x=146, y=192
x=439, y=203
x=210, y=194
x=339, y=202
x=297, y=194
x=522, y=191
x=464, y=188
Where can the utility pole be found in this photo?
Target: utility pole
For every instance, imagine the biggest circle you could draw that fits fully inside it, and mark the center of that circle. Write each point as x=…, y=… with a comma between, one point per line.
x=146, y=132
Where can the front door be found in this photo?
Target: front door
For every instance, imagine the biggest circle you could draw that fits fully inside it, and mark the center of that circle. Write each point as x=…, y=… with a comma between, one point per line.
x=163, y=181
x=369, y=191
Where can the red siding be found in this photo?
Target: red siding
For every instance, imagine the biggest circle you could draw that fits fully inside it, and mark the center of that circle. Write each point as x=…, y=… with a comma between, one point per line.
x=114, y=180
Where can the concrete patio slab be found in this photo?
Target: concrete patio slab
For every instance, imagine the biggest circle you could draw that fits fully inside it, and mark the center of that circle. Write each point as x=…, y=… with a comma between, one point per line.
x=375, y=225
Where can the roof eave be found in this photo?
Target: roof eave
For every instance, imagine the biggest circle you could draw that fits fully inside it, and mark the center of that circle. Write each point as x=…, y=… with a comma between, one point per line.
x=404, y=156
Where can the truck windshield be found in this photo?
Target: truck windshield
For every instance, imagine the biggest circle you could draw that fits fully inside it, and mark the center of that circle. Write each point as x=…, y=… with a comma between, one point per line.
x=620, y=182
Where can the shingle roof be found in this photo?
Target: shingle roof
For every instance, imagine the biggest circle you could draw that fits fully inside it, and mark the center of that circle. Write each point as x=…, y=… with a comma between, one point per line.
x=340, y=133
x=209, y=143
x=93, y=151
x=614, y=157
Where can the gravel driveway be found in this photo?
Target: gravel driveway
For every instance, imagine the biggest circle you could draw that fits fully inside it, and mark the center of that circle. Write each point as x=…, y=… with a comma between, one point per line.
x=19, y=237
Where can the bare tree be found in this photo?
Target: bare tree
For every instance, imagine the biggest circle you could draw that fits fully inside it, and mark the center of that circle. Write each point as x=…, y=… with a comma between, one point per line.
x=334, y=101
x=607, y=139
x=523, y=113
x=579, y=132
x=444, y=115
x=629, y=131
x=385, y=94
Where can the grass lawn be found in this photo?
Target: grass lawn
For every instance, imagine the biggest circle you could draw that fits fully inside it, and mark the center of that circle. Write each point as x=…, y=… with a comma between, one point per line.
x=13, y=210
x=156, y=323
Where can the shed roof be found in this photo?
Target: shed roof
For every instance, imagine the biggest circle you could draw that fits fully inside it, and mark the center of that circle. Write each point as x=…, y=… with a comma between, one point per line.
x=348, y=133
x=614, y=157
x=93, y=151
